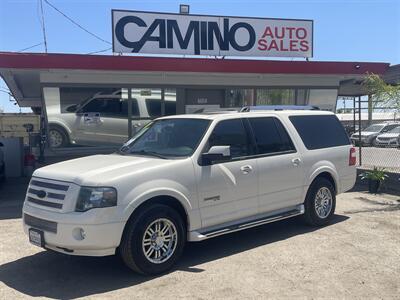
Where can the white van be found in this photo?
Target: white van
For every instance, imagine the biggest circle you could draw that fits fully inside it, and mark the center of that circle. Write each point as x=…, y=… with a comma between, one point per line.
x=190, y=178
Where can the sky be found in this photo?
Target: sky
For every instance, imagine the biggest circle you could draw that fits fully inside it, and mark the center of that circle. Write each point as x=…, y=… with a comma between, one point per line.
x=348, y=30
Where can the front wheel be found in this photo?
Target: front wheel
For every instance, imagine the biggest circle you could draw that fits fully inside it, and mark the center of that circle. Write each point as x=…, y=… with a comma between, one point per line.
x=57, y=137
x=153, y=240
x=320, y=203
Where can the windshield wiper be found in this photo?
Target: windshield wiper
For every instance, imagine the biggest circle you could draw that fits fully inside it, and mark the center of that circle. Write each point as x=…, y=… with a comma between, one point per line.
x=150, y=153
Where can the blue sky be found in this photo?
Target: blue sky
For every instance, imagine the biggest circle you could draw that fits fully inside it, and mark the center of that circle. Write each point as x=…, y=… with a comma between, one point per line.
x=352, y=30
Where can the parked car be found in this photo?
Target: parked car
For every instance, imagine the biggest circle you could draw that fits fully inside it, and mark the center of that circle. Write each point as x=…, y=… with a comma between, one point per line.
x=2, y=164
x=103, y=118
x=190, y=178
x=389, y=139
x=369, y=134
x=350, y=129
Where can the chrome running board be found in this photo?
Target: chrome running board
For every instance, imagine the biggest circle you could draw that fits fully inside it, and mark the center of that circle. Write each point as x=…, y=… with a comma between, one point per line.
x=203, y=235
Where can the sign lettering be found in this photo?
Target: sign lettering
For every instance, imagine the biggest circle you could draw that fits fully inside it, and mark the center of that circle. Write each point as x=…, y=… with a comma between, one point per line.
x=159, y=33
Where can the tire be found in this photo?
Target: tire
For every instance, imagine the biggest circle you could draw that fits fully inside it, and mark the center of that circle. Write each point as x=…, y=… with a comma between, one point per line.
x=133, y=249
x=312, y=215
x=58, y=137
x=374, y=143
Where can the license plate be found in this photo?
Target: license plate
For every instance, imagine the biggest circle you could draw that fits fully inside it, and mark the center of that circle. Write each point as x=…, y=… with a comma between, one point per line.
x=36, y=237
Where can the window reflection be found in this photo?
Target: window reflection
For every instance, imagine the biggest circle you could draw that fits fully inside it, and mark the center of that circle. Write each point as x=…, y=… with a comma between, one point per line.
x=97, y=116
x=276, y=97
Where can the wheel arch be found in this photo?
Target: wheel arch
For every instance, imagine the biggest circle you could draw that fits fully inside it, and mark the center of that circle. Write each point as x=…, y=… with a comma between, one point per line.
x=56, y=123
x=327, y=173
x=169, y=197
x=165, y=200
x=61, y=126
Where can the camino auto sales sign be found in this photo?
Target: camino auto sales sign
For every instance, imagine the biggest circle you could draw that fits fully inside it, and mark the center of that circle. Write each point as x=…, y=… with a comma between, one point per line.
x=161, y=33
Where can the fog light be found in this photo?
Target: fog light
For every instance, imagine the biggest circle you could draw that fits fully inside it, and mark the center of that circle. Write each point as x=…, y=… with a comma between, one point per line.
x=79, y=234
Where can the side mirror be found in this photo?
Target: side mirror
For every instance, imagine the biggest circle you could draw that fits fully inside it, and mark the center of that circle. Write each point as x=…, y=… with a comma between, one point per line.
x=216, y=154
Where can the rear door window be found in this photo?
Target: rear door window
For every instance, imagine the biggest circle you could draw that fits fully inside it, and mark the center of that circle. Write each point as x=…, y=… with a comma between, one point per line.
x=270, y=136
x=320, y=131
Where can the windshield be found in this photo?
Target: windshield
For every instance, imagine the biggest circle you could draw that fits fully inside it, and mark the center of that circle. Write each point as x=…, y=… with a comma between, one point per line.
x=167, y=138
x=395, y=130
x=374, y=128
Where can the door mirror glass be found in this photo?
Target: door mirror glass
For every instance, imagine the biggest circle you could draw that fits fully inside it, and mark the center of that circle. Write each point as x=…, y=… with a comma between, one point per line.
x=216, y=154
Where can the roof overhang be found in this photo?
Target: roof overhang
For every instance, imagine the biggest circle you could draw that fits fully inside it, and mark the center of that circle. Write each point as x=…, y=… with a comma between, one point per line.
x=25, y=72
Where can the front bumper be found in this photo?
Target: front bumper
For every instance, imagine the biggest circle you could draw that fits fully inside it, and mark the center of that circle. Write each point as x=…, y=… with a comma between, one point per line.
x=100, y=239
x=387, y=143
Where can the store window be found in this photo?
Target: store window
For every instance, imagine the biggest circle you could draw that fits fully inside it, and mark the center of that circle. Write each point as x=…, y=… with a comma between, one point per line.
x=239, y=97
x=156, y=107
x=276, y=97
x=92, y=116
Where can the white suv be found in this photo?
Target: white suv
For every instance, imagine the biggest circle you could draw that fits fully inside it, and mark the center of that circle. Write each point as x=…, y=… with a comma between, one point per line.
x=189, y=178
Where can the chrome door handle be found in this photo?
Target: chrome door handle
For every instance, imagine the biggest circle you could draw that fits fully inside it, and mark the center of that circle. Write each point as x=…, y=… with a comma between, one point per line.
x=246, y=169
x=296, y=161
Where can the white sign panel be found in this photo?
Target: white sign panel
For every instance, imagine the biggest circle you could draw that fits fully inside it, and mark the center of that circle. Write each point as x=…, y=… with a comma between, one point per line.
x=160, y=33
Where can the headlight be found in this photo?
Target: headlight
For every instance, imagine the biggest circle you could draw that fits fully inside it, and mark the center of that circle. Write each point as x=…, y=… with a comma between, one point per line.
x=95, y=197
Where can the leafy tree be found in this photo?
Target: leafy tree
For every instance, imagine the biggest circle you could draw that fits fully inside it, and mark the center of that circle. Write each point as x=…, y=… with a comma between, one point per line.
x=386, y=95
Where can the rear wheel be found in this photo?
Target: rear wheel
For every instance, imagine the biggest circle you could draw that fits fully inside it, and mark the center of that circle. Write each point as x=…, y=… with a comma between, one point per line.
x=153, y=240
x=320, y=203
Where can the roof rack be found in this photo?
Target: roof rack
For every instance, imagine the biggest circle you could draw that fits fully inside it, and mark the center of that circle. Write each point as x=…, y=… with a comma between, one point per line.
x=215, y=111
x=279, y=107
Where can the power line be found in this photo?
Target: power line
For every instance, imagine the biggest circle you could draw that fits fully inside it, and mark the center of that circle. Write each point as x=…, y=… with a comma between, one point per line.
x=75, y=23
x=9, y=93
x=43, y=27
x=30, y=47
x=100, y=51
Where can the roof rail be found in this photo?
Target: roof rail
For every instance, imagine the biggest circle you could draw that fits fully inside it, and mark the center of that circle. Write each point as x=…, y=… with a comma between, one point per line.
x=215, y=111
x=279, y=107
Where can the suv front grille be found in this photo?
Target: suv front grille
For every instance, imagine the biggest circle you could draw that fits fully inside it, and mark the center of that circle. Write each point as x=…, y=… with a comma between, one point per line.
x=40, y=223
x=48, y=193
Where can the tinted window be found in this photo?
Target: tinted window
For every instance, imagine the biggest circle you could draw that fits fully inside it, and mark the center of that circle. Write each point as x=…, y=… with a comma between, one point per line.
x=270, y=135
x=153, y=107
x=170, y=108
x=231, y=133
x=111, y=107
x=389, y=127
x=104, y=106
x=320, y=131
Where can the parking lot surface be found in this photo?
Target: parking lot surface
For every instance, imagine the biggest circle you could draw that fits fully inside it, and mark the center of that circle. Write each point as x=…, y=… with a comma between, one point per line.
x=356, y=257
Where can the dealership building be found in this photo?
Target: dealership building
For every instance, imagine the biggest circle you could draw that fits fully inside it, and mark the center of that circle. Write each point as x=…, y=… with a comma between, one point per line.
x=100, y=100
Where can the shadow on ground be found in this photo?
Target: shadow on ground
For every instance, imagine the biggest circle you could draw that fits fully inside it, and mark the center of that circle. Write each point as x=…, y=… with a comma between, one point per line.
x=12, y=195
x=59, y=276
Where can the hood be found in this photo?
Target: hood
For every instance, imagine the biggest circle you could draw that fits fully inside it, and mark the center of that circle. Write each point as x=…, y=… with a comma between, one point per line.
x=97, y=170
x=389, y=135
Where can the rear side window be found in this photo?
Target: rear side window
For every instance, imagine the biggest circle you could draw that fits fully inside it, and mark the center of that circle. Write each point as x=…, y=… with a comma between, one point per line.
x=270, y=136
x=319, y=132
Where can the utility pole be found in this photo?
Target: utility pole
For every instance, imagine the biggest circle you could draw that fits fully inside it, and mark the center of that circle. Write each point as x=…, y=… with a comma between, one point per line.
x=43, y=27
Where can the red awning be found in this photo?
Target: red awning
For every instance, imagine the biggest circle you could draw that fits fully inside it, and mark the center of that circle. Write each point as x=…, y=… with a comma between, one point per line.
x=14, y=60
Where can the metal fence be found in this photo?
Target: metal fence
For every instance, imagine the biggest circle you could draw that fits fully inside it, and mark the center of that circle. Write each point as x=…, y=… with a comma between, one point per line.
x=378, y=141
